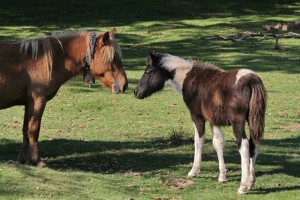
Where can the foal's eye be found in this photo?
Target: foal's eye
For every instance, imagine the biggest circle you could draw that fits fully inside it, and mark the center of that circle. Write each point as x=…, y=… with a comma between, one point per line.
x=149, y=71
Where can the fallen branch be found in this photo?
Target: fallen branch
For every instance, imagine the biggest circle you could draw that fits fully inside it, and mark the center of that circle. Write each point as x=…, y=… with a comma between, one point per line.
x=244, y=35
x=263, y=36
x=283, y=27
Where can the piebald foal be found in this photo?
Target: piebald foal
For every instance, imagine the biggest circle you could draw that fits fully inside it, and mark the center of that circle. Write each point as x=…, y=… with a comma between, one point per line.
x=219, y=97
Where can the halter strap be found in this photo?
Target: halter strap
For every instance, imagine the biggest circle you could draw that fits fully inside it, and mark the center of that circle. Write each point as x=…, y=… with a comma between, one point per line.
x=89, y=58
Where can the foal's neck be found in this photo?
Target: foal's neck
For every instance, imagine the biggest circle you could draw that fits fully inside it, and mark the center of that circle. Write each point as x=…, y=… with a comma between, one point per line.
x=177, y=82
x=181, y=68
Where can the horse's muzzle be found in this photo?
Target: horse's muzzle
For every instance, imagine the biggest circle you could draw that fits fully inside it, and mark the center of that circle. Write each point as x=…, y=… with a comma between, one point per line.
x=119, y=88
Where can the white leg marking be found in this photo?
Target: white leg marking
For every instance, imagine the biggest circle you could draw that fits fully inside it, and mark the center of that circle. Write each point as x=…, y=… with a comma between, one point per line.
x=218, y=145
x=197, y=156
x=245, y=159
x=241, y=73
x=252, y=178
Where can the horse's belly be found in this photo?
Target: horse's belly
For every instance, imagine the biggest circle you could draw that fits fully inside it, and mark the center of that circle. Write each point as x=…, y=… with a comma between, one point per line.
x=11, y=95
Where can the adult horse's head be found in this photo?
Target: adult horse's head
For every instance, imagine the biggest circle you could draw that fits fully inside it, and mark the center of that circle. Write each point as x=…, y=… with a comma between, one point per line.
x=154, y=77
x=106, y=62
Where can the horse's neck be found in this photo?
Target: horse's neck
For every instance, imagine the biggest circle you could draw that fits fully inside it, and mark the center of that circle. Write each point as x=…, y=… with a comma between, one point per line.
x=177, y=82
x=74, y=49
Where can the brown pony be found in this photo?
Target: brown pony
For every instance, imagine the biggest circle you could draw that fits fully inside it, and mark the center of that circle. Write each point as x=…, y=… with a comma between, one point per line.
x=219, y=97
x=32, y=71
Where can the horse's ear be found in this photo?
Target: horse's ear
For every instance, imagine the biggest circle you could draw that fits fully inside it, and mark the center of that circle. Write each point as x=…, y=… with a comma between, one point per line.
x=154, y=59
x=105, y=39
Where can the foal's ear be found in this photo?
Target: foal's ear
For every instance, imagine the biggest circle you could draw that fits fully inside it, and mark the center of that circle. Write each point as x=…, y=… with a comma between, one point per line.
x=154, y=59
x=105, y=39
x=113, y=32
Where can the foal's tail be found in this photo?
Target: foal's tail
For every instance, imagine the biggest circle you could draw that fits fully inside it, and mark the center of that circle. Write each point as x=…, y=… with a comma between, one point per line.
x=257, y=109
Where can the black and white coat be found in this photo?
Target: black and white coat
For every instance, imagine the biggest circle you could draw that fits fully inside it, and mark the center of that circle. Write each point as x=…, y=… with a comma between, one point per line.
x=218, y=97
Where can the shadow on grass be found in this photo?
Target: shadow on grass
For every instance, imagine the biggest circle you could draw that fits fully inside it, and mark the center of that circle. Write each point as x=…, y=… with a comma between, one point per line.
x=273, y=189
x=62, y=15
x=82, y=13
x=120, y=157
x=99, y=156
x=256, y=55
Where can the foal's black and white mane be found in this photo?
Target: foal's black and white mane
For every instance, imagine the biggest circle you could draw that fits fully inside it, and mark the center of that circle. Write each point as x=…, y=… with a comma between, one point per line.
x=219, y=97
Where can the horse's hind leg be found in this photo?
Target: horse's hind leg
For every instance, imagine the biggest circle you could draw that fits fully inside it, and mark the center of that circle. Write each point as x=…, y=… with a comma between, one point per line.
x=253, y=155
x=243, y=144
x=31, y=127
x=198, y=141
x=218, y=145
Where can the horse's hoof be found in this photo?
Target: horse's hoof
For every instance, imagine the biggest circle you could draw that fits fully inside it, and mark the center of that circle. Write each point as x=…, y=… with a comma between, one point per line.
x=40, y=163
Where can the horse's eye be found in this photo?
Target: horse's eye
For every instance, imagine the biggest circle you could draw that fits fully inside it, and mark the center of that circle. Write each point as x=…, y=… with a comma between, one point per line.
x=101, y=75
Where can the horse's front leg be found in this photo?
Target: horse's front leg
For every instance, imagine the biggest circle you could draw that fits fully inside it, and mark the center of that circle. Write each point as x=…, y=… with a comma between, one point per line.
x=218, y=145
x=198, y=141
x=31, y=128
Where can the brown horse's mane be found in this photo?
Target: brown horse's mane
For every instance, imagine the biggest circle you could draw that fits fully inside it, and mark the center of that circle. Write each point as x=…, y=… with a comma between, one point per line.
x=34, y=43
x=108, y=52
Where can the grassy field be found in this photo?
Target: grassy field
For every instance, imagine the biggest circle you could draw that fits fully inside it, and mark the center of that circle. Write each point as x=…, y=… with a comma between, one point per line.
x=104, y=146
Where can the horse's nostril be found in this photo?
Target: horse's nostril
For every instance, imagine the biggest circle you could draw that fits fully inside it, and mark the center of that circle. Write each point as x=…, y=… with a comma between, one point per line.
x=116, y=89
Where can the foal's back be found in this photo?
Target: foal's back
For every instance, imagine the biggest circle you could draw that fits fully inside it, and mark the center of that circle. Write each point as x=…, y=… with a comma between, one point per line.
x=218, y=96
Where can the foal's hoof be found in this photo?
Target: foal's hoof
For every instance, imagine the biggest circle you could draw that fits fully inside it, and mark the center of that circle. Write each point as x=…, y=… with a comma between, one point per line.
x=192, y=174
x=222, y=180
x=242, y=190
x=251, y=185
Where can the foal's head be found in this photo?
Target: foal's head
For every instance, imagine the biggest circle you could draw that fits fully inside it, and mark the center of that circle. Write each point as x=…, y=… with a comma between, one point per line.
x=107, y=63
x=154, y=77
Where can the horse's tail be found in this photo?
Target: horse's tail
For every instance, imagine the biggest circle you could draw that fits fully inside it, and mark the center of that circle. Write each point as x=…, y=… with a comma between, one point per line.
x=257, y=109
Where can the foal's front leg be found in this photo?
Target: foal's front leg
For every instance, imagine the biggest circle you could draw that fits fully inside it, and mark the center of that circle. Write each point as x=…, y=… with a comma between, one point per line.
x=198, y=141
x=31, y=128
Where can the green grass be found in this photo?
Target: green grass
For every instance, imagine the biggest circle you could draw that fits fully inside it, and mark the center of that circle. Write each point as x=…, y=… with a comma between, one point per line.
x=103, y=146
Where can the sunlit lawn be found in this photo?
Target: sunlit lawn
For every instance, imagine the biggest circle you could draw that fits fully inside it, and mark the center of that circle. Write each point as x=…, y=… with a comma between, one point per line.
x=104, y=146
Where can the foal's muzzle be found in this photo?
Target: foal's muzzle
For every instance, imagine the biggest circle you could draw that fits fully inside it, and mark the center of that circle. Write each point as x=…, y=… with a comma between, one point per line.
x=138, y=94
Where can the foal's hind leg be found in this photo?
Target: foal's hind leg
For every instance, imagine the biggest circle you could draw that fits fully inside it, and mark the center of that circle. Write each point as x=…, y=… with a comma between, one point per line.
x=243, y=144
x=253, y=155
x=198, y=141
x=31, y=127
x=218, y=145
